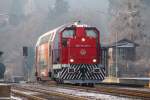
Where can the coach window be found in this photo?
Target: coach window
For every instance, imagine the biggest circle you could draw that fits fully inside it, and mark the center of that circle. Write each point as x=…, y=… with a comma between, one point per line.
x=91, y=33
x=45, y=39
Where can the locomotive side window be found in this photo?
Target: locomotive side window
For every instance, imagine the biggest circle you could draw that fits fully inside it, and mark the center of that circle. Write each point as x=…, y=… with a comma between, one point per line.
x=68, y=34
x=91, y=33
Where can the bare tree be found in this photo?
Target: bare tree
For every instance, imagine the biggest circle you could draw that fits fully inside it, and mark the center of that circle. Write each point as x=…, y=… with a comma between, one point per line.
x=129, y=19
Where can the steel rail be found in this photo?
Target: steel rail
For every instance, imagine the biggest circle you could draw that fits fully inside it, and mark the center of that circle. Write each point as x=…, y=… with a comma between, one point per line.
x=117, y=90
x=24, y=95
x=49, y=93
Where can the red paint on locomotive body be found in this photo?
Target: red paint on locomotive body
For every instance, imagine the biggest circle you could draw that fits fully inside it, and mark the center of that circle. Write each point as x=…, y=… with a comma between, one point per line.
x=80, y=48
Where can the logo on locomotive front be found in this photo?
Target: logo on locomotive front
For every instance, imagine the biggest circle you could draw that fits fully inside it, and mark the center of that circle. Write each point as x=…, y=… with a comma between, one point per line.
x=83, y=52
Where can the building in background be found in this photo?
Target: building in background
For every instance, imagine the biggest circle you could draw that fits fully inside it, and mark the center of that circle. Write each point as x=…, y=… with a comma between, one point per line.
x=121, y=54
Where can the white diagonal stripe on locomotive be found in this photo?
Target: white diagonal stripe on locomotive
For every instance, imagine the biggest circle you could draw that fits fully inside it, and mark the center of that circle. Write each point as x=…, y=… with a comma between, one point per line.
x=64, y=72
x=92, y=67
x=102, y=71
x=73, y=75
x=76, y=71
x=101, y=74
x=79, y=73
x=90, y=72
x=96, y=74
x=88, y=75
x=67, y=76
x=70, y=74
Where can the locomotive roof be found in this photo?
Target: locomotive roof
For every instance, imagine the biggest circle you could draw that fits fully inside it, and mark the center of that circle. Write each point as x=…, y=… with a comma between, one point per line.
x=48, y=33
x=58, y=29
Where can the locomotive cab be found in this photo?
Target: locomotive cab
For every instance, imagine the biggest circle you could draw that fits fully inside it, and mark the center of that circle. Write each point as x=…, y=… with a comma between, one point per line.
x=80, y=45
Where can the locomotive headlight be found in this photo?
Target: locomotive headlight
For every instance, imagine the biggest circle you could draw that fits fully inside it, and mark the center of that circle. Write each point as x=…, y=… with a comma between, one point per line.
x=71, y=60
x=94, y=60
x=83, y=39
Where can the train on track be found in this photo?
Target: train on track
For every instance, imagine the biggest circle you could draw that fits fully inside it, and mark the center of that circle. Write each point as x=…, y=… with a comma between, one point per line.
x=70, y=53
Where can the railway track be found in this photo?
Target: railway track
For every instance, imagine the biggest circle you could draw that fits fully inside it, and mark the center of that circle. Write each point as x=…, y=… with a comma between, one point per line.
x=133, y=92
x=28, y=95
x=33, y=93
x=118, y=90
x=69, y=92
x=140, y=93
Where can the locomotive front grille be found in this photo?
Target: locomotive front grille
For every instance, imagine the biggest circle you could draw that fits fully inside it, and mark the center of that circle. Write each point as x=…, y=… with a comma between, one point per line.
x=83, y=72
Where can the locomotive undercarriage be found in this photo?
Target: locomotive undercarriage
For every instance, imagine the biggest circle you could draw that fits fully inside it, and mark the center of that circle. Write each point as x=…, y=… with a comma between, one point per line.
x=79, y=73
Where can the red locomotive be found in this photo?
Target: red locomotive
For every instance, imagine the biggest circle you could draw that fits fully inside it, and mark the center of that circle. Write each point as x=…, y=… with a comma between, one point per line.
x=70, y=53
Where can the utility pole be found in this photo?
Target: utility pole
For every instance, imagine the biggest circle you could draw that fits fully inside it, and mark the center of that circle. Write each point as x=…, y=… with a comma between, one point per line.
x=25, y=63
x=116, y=55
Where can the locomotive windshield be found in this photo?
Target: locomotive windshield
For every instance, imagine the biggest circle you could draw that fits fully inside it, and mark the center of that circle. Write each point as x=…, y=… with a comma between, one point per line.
x=69, y=33
x=91, y=33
